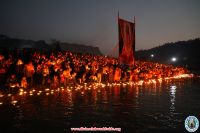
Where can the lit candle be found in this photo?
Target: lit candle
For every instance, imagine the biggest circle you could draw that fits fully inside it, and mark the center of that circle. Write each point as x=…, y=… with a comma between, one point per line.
x=14, y=102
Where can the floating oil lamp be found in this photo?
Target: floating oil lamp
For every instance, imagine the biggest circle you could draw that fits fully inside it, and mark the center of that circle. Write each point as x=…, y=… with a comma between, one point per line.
x=20, y=93
x=47, y=89
x=13, y=102
x=14, y=85
x=160, y=80
x=103, y=85
x=154, y=81
x=124, y=84
x=140, y=82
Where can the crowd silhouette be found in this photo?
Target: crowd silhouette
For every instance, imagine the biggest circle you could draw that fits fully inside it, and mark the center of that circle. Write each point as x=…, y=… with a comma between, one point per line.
x=54, y=69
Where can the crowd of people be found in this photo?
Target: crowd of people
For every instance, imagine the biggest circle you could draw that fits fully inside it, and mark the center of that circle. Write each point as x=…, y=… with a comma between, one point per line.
x=52, y=69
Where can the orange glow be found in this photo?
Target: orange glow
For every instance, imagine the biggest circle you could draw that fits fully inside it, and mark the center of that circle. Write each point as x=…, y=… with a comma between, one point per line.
x=19, y=62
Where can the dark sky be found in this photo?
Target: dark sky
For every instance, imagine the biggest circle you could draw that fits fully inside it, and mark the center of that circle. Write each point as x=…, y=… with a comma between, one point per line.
x=94, y=22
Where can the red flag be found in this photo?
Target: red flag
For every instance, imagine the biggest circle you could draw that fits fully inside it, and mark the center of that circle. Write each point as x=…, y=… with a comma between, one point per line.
x=126, y=42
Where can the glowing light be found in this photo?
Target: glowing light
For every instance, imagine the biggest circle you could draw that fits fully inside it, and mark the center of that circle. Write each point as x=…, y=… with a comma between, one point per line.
x=9, y=94
x=1, y=103
x=124, y=84
x=173, y=59
x=160, y=80
x=140, y=82
x=14, y=102
x=13, y=86
x=47, y=89
x=103, y=85
x=173, y=89
x=184, y=76
x=152, y=55
x=172, y=94
x=19, y=62
x=153, y=81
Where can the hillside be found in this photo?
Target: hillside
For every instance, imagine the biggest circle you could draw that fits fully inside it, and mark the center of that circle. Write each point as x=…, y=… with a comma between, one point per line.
x=15, y=43
x=182, y=53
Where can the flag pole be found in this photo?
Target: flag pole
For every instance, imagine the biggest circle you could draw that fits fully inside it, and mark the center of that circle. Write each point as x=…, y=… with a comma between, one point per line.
x=134, y=39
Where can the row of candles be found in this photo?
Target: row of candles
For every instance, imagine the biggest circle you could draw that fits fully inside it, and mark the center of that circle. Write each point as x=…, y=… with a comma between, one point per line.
x=87, y=86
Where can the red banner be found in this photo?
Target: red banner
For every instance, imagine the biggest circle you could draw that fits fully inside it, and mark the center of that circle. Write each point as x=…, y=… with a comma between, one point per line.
x=126, y=42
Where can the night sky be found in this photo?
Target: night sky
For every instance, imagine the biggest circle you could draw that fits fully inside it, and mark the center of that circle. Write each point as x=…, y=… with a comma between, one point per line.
x=94, y=22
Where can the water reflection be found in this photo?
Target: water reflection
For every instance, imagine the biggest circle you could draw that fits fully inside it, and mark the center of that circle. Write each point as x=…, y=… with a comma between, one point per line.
x=125, y=105
x=172, y=98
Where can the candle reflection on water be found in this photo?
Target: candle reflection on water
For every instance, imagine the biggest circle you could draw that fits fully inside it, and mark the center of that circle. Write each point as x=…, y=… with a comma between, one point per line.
x=172, y=98
x=106, y=101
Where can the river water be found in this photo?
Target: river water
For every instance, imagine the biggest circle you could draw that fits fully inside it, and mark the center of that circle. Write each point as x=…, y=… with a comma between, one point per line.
x=159, y=107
